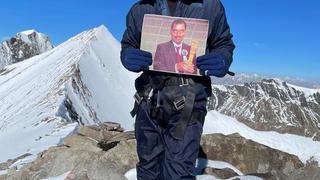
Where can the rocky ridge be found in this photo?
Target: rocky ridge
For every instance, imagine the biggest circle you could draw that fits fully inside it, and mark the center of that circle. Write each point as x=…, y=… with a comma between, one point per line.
x=271, y=104
x=105, y=151
x=22, y=46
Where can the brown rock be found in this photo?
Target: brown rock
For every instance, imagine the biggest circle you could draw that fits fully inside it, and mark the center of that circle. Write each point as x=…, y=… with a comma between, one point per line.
x=3, y=177
x=220, y=173
x=59, y=160
x=106, y=146
x=114, y=138
x=83, y=176
x=4, y=166
x=92, y=131
x=124, y=155
x=101, y=132
x=310, y=172
x=107, y=135
x=248, y=156
x=73, y=175
x=123, y=136
x=81, y=142
x=111, y=126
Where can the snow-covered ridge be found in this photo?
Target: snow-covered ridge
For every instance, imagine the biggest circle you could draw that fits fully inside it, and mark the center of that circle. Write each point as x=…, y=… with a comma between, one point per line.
x=307, y=91
x=266, y=86
x=242, y=78
x=271, y=104
x=28, y=32
x=275, y=82
x=33, y=93
x=34, y=37
x=304, y=148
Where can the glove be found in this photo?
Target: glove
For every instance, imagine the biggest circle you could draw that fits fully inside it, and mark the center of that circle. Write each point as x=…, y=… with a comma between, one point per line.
x=213, y=64
x=136, y=60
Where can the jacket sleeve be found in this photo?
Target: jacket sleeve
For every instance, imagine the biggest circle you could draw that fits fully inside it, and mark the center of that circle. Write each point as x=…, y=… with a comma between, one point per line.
x=220, y=39
x=131, y=37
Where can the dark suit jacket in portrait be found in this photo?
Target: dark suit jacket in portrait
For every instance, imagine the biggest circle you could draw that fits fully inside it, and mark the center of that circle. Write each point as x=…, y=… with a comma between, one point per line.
x=166, y=57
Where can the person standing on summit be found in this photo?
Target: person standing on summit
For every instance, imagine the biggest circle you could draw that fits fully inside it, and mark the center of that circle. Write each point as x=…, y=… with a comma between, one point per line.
x=170, y=108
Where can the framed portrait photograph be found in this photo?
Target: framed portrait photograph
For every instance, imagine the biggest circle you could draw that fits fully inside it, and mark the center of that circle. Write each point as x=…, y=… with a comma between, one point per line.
x=174, y=42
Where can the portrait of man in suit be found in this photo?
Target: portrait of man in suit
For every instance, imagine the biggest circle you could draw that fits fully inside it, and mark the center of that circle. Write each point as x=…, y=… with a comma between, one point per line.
x=173, y=56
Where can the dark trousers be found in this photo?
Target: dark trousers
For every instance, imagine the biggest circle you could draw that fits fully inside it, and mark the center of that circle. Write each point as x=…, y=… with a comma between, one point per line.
x=162, y=157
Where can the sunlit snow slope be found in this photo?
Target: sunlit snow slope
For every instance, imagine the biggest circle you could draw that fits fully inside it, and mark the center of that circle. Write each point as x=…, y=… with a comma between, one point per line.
x=33, y=93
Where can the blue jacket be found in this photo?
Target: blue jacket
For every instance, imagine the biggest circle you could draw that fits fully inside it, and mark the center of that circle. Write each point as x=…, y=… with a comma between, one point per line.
x=219, y=38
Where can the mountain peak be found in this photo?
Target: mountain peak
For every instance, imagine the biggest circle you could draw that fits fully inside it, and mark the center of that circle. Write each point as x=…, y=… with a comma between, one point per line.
x=23, y=45
x=276, y=81
x=28, y=32
x=241, y=78
x=80, y=80
x=271, y=104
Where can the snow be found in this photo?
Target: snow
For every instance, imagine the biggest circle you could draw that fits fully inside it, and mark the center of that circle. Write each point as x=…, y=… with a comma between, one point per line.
x=203, y=163
x=38, y=43
x=24, y=37
x=28, y=32
x=307, y=91
x=21, y=162
x=41, y=40
x=303, y=147
x=31, y=94
x=60, y=177
x=20, y=54
x=221, y=87
x=19, y=140
x=208, y=177
x=132, y=173
x=3, y=172
x=109, y=83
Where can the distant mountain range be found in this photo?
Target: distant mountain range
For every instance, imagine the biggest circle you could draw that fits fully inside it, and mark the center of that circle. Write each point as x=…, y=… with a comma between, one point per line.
x=243, y=77
x=271, y=104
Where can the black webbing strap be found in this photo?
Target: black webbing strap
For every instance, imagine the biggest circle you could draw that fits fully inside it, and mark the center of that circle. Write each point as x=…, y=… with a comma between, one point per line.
x=184, y=105
x=143, y=87
x=185, y=113
x=135, y=109
x=144, y=84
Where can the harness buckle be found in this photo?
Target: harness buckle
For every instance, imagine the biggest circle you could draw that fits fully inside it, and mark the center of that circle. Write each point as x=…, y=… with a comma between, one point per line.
x=179, y=103
x=137, y=98
x=183, y=81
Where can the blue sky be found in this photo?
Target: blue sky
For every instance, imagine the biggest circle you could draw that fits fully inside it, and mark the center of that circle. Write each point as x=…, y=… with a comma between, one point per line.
x=276, y=37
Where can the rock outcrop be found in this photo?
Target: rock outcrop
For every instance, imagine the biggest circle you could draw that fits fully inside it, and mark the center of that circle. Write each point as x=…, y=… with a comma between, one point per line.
x=82, y=158
x=310, y=172
x=22, y=46
x=106, y=151
x=249, y=157
x=271, y=105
